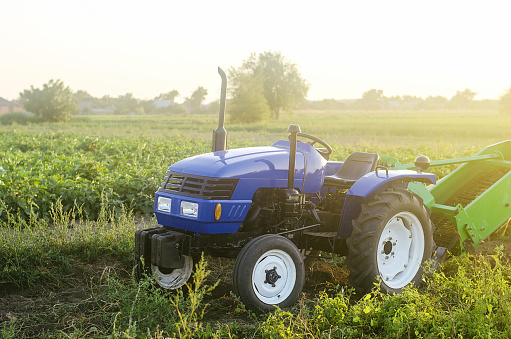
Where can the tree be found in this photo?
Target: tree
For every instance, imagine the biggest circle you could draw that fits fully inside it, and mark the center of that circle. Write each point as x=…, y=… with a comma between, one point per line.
x=168, y=96
x=284, y=87
x=147, y=106
x=505, y=102
x=249, y=103
x=463, y=99
x=372, y=99
x=434, y=102
x=125, y=104
x=81, y=95
x=54, y=102
x=195, y=101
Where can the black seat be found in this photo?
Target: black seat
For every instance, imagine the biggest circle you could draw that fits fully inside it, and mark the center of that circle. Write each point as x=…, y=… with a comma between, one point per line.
x=355, y=167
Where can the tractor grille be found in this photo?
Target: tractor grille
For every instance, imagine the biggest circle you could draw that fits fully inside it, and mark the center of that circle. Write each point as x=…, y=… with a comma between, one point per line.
x=197, y=186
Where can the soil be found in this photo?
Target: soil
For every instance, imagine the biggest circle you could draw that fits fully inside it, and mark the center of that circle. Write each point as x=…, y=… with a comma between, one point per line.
x=489, y=248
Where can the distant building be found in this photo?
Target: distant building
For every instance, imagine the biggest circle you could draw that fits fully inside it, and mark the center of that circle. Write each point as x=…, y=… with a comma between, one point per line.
x=88, y=107
x=163, y=103
x=9, y=107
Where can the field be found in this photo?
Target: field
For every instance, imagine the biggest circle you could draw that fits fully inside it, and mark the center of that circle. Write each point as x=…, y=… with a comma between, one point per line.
x=74, y=193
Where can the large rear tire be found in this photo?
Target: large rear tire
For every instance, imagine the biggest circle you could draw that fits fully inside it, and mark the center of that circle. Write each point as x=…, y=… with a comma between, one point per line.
x=269, y=272
x=392, y=238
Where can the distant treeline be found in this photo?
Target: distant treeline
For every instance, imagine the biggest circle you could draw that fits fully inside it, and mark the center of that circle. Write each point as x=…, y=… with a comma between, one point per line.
x=375, y=100
x=128, y=104
x=371, y=100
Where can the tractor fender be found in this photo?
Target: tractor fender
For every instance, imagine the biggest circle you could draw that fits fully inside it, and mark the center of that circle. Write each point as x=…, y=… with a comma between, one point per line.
x=366, y=185
x=372, y=183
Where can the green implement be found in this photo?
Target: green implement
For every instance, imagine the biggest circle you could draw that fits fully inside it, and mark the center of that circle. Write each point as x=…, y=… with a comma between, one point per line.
x=473, y=201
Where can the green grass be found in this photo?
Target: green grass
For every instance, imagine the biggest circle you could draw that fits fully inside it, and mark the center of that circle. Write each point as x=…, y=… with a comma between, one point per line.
x=90, y=178
x=474, y=128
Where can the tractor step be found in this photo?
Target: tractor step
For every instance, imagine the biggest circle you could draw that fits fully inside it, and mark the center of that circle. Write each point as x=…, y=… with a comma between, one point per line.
x=321, y=234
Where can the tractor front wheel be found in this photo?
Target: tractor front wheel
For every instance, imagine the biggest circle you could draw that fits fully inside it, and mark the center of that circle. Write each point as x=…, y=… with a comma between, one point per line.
x=269, y=272
x=391, y=239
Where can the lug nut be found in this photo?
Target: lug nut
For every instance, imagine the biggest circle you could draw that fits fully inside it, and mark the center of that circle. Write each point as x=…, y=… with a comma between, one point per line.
x=386, y=257
x=392, y=253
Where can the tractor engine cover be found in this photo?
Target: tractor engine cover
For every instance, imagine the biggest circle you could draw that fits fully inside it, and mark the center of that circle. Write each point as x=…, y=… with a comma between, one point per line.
x=167, y=249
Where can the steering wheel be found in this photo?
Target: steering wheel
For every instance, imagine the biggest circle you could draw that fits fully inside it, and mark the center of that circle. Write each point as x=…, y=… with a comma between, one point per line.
x=324, y=153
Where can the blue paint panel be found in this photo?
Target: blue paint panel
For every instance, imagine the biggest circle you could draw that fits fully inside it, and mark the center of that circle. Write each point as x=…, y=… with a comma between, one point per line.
x=255, y=167
x=233, y=213
x=259, y=167
x=332, y=167
x=371, y=181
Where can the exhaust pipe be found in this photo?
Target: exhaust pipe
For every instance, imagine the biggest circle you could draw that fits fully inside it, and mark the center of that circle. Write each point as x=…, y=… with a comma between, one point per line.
x=220, y=134
x=293, y=131
x=290, y=205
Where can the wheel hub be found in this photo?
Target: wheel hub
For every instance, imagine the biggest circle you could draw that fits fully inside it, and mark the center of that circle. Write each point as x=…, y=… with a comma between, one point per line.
x=387, y=248
x=272, y=276
x=400, y=250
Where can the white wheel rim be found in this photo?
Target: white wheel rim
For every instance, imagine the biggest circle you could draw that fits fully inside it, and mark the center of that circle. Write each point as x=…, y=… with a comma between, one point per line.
x=177, y=278
x=400, y=250
x=274, y=277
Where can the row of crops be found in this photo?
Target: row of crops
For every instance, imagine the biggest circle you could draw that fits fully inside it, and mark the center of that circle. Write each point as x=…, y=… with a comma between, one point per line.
x=84, y=173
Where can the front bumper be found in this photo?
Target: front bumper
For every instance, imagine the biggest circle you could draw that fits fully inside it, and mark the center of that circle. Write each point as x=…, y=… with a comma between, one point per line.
x=233, y=214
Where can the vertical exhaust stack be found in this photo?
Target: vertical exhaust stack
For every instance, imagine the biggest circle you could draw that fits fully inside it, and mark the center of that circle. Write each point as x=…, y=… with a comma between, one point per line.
x=290, y=205
x=293, y=131
x=220, y=134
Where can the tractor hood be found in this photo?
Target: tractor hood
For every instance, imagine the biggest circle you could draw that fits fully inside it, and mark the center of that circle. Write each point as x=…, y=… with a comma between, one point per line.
x=259, y=167
x=250, y=162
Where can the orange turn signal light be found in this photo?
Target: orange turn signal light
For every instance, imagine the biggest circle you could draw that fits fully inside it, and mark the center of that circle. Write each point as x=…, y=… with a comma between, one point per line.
x=218, y=211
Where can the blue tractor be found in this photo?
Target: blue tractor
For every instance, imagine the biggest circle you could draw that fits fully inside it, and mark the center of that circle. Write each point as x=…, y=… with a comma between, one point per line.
x=271, y=207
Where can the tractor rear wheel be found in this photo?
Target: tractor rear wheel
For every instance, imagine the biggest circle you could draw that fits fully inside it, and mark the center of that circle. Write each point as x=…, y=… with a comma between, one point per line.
x=392, y=239
x=269, y=272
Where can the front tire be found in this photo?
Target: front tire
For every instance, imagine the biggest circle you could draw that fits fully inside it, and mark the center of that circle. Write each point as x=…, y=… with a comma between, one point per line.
x=391, y=239
x=171, y=279
x=269, y=272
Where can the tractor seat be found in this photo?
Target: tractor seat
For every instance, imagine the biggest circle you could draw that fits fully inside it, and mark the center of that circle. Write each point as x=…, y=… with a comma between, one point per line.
x=355, y=167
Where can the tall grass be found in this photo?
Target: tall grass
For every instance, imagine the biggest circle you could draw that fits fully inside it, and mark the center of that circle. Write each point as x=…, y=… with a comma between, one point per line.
x=469, y=298
x=34, y=251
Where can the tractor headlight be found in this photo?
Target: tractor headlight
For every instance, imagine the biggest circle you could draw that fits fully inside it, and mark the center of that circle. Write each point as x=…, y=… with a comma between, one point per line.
x=189, y=209
x=164, y=204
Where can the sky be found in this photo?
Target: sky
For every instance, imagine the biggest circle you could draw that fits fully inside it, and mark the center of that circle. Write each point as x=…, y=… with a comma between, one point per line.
x=342, y=48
